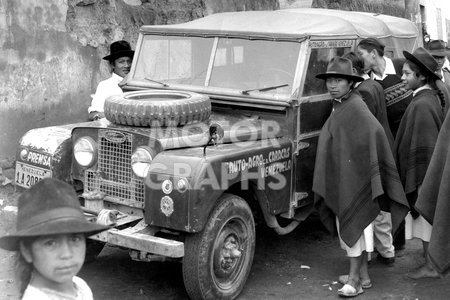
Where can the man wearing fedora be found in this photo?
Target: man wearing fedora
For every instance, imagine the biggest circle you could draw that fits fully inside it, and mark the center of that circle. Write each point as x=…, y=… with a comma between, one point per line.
x=120, y=59
x=440, y=52
x=354, y=175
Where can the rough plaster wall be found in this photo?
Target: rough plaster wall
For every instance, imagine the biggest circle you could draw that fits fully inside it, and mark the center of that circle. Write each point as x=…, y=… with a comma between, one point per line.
x=215, y=6
x=97, y=23
x=39, y=63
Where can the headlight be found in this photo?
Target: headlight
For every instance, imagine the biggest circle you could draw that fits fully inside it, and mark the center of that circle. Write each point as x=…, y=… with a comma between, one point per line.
x=140, y=161
x=182, y=185
x=84, y=151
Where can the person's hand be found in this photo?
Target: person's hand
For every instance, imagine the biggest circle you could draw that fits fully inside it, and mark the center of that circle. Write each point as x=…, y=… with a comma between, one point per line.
x=95, y=115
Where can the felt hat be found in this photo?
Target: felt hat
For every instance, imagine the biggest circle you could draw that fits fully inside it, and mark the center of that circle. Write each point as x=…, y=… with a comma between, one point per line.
x=119, y=49
x=437, y=48
x=424, y=60
x=340, y=67
x=49, y=207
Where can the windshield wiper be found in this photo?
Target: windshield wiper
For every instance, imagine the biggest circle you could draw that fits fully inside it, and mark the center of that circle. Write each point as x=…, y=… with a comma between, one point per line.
x=245, y=92
x=155, y=81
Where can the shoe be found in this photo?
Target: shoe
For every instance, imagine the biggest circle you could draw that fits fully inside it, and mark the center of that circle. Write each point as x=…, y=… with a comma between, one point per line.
x=349, y=291
x=389, y=261
x=365, y=284
x=400, y=252
x=399, y=247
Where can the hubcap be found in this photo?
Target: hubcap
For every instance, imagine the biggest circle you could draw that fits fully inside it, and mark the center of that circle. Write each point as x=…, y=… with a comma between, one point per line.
x=229, y=253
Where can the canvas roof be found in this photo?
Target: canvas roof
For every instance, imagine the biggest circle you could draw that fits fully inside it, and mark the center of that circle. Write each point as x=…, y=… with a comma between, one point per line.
x=293, y=24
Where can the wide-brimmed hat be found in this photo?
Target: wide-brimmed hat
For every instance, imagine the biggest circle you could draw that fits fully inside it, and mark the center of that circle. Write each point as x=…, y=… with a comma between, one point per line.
x=437, y=48
x=340, y=67
x=47, y=208
x=119, y=49
x=424, y=60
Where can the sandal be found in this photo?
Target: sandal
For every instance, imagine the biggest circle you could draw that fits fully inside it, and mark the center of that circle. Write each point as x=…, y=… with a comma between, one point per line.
x=365, y=284
x=349, y=291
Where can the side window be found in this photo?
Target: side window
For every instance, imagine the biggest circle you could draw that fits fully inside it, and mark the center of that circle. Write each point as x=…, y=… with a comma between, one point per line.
x=317, y=64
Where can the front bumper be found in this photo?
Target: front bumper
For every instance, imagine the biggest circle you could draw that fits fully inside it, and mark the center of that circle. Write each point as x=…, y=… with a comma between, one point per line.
x=141, y=237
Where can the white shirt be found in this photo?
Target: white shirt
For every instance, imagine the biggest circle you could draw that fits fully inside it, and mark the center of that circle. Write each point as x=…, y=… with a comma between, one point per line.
x=81, y=287
x=441, y=73
x=390, y=69
x=106, y=88
x=446, y=64
x=423, y=87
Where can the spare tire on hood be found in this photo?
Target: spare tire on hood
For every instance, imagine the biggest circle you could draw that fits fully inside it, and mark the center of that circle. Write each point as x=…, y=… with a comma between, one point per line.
x=157, y=108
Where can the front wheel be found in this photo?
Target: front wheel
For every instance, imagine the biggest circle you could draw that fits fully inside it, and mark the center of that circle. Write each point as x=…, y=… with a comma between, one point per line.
x=218, y=260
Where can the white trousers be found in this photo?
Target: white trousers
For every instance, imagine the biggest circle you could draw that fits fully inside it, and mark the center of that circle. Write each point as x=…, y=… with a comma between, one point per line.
x=417, y=228
x=364, y=243
x=382, y=229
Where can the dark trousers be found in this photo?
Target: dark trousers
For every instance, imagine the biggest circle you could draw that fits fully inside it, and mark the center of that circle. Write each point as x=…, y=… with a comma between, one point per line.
x=399, y=237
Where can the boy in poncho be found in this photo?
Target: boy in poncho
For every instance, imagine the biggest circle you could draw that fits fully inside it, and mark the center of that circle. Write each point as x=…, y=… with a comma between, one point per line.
x=355, y=174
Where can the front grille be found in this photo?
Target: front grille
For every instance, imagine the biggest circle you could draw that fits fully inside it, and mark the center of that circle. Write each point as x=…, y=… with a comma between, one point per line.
x=113, y=175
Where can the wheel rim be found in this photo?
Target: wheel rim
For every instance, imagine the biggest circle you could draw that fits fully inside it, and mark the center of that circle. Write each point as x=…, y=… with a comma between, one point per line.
x=230, y=255
x=157, y=95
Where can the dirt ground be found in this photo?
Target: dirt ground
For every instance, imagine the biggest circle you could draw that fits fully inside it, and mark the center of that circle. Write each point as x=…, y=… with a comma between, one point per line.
x=302, y=265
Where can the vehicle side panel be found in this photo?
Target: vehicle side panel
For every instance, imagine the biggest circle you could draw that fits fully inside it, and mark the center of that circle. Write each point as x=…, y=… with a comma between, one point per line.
x=269, y=167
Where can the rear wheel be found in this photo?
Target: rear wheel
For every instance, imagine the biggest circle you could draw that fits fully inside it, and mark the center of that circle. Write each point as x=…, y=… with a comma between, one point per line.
x=218, y=260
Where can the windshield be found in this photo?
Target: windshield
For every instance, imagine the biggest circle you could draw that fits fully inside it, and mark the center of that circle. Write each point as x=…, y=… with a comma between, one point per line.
x=253, y=66
x=169, y=59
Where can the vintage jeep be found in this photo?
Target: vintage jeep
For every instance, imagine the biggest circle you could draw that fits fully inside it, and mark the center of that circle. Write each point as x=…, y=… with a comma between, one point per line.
x=218, y=126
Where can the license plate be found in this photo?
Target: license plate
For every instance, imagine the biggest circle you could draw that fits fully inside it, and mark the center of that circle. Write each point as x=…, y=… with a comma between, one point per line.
x=27, y=176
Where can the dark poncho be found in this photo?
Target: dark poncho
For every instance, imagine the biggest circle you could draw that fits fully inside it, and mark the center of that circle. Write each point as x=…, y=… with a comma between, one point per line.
x=433, y=202
x=373, y=95
x=355, y=171
x=415, y=141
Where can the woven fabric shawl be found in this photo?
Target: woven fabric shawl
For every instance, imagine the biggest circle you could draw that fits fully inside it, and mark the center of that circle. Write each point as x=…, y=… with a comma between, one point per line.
x=433, y=202
x=416, y=138
x=373, y=95
x=355, y=171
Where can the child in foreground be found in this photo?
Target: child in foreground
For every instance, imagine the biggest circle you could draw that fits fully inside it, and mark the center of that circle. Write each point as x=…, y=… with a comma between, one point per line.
x=50, y=240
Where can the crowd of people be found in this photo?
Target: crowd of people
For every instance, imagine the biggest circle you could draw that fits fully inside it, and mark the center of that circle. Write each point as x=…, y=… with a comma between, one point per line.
x=382, y=178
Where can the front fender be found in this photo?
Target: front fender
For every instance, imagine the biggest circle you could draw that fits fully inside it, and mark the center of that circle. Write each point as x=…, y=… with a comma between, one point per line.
x=47, y=148
x=266, y=164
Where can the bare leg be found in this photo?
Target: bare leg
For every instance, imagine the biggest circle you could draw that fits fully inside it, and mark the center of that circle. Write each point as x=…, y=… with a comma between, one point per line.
x=355, y=268
x=363, y=273
x=427, y=270
x=364, y=269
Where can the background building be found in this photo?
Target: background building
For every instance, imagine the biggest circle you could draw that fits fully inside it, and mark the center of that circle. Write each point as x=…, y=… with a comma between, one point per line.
x=435, y=17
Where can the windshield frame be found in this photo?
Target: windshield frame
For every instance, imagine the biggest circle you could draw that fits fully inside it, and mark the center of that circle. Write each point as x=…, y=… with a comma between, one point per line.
x=132, y=81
